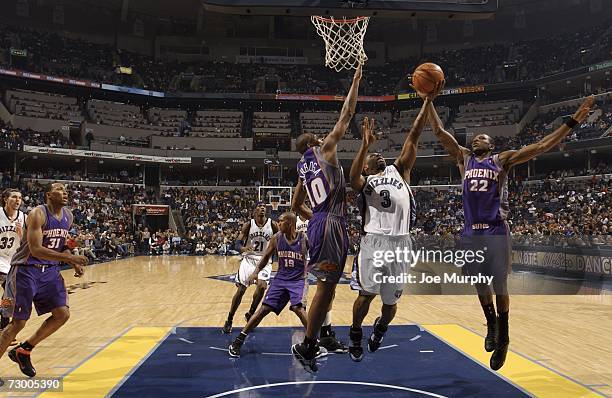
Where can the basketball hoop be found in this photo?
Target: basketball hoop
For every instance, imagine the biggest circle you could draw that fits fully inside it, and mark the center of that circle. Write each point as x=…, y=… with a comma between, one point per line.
x=343, y=40
x=274, y=205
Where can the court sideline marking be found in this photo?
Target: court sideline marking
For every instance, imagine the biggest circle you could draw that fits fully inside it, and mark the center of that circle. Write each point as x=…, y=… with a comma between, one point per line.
x=99, y=374
x=530, y=377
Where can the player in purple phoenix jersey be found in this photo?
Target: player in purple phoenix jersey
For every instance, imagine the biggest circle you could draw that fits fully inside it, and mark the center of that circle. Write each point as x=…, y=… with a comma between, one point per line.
x=485, y=206
x=35, y=276
x=321, y=177
x=288, y=286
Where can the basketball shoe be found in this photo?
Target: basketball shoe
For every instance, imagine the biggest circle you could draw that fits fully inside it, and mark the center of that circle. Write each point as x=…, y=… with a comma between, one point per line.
x=376, y=337
x=329, y=341
x=227, y=327
x=22, y=358
x=355, y=349
x=306, y=358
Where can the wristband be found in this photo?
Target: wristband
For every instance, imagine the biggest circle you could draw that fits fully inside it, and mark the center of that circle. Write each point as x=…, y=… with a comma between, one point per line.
x=571, y=123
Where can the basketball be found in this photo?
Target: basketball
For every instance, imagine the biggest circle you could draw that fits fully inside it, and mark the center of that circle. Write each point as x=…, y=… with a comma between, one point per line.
x=426, y=76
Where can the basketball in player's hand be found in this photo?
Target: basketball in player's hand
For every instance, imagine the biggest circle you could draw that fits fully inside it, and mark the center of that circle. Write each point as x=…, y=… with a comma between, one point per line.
x=426, y=76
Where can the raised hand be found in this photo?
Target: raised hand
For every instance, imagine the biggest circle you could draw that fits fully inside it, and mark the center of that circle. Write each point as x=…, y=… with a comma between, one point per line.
x=367, y=131
x=439, y=87
x=358, y=72
x=582, y=112
x=432, y=95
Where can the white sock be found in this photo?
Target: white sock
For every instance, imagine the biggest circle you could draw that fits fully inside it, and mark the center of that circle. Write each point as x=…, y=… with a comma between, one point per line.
x=327, y=320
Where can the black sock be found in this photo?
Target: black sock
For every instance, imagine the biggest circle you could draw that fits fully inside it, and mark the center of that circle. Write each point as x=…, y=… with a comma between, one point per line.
x=380, y=328
x=355, y=334
x=26, y=346
x=241, y=337
x=311, y=344
x=325, y=331
x=503, y=326
x=489, y=311
x=4, y=322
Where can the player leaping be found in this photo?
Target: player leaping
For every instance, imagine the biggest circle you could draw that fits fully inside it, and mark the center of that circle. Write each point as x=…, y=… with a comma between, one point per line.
x=388, y=210
x=485, y=205
x=322, y=178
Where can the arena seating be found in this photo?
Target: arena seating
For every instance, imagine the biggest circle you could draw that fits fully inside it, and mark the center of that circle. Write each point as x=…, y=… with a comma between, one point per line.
x=318, y=122
x=478, y=64
x=42, y=105
x=217, y=123
x=491, y=113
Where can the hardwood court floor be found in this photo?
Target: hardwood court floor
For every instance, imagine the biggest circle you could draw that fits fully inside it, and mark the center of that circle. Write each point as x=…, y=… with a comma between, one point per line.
x=570, y=334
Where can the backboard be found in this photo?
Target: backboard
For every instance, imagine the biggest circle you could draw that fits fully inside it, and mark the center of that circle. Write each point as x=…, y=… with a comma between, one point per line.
x=456, y=9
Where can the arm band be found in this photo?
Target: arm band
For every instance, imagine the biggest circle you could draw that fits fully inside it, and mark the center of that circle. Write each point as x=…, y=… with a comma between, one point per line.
x=571, y=123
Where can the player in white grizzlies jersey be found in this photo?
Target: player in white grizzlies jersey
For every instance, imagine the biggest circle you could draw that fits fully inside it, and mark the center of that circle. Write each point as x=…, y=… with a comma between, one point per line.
x=388, y=211
x=12, y=227
x=301, y=225
x=255, y=236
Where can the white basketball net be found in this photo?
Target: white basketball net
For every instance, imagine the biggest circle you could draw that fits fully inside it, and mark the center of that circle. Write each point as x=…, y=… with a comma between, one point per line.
x=343, y=41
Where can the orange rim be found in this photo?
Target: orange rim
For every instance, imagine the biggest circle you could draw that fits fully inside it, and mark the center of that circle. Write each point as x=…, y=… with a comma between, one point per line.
x=340, y=21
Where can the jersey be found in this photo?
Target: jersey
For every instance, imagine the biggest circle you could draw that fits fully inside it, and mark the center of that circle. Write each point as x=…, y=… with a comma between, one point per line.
x=301, y=226
x=259, y=237
x=291, y=258
x=388, y=205
x=55, y=233
x=324, y=183
x=485, y=194
x=11, y=232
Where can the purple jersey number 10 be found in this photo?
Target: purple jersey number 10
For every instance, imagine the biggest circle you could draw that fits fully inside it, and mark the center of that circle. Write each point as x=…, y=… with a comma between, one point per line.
x=316, y=191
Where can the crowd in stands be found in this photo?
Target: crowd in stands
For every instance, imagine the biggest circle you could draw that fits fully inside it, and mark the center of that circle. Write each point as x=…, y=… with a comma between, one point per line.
x=116, y=176
x=103, y=227
x=15, y=138
x=56, y=54
x=553, y=212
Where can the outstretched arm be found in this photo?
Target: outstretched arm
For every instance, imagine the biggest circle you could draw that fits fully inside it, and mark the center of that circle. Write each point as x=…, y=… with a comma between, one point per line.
x=512, y=158
x=348, y=111
x=447, y=139
x=298, y=201
x=367, y=131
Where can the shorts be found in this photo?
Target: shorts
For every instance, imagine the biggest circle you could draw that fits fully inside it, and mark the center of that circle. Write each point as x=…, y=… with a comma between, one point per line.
x=370, y=268
x=327, y=247
x=25, y=284
x=248, y=266
x=282, y=292
x=496, y=246
x=5, y=265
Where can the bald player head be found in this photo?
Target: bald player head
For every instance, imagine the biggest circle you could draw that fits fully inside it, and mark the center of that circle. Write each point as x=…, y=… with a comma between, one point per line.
x=286, y=223
x=306, y=141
